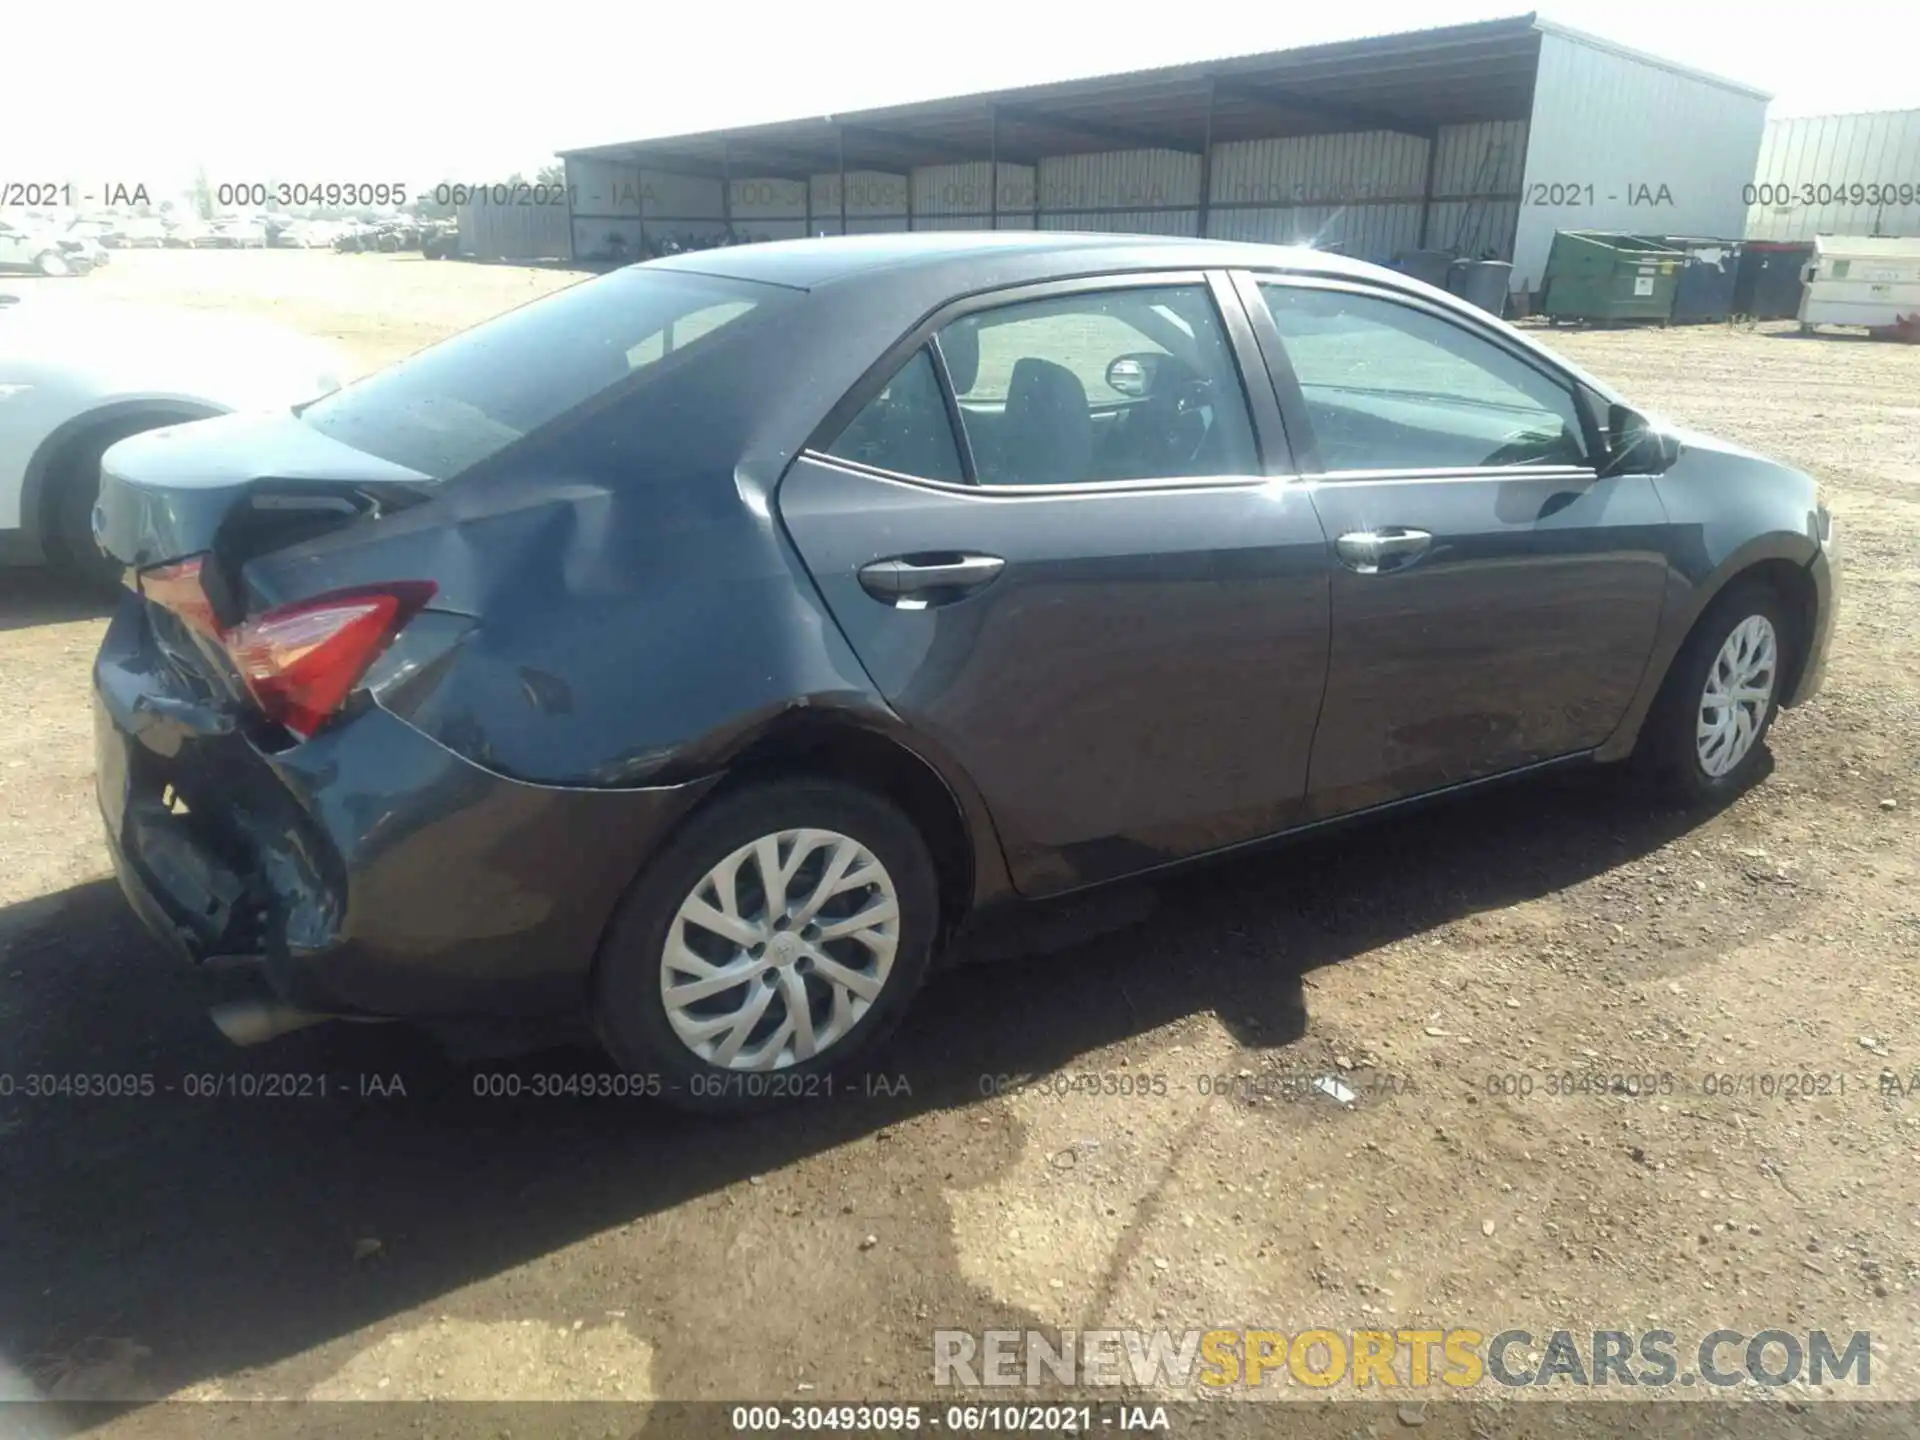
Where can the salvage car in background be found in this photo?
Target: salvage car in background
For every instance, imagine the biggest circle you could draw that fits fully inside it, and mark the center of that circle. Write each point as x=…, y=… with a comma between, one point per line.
x=995, y=566
x=143, y=234
x=83, y=245
x=45, y=249
x=78, y=373
x=188, y=235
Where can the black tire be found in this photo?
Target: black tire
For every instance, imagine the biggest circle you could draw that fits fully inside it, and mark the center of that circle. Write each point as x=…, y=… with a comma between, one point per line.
x=1668, y=740
x=628, y=1011
x=76, y=488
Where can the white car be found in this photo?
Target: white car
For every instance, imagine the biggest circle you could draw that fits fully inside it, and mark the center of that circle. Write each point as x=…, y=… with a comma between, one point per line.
x=144, y=234
x=78, y=373
x=84, y=246
x=36, y=246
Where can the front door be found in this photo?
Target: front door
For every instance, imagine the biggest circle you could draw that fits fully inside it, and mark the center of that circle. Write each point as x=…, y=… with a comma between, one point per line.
x=1088, y=591
x=1494, y=599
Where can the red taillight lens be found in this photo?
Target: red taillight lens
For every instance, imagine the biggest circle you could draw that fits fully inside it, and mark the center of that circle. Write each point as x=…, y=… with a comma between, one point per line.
x=178, y=588
x=301, y=661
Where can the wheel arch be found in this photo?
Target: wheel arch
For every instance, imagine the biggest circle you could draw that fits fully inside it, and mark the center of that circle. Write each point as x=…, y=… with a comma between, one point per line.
x=859, y=750
x=47, y=467
x=864, y=752
x=1782, y=561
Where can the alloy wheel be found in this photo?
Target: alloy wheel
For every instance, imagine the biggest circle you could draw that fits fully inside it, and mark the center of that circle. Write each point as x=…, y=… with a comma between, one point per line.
x=779, y=950
x=1739, y=688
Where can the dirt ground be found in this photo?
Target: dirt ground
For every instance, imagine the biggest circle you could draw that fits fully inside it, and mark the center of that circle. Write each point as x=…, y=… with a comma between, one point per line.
x=434, y=1243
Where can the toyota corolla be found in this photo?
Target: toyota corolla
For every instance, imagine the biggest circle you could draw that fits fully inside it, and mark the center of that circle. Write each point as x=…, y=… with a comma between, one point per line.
x=699, y=646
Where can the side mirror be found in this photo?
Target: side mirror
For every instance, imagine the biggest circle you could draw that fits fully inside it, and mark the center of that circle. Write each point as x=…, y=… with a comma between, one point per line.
x=1636, y=444
x=1133, y=375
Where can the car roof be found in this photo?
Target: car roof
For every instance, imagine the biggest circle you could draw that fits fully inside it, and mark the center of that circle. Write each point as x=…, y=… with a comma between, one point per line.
x=807, y=264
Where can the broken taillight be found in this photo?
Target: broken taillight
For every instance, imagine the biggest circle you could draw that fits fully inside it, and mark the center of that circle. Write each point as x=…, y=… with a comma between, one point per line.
x=302, y=660
x=298, y=661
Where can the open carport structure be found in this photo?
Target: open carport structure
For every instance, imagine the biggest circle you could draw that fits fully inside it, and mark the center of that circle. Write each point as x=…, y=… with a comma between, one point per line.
x=1479, y=139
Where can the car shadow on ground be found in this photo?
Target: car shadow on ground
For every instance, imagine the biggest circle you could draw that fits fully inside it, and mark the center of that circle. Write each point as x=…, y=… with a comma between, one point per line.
x=39, y=596
x=227, y=1222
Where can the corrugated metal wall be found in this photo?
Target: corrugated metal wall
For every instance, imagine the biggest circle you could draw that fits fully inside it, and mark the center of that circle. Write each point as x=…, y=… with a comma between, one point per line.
x=1147, y=192
x=515, y=232
x=961, y=197
x=1620, y=143
x=1804, y=183
x=1359, y=191
x=1363, y=191
x=1616, y=142
x=1477, y=176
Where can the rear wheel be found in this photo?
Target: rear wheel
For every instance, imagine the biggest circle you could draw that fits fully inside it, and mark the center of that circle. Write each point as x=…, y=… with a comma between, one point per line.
x=775, y=941
x=1707, y=734
x=52, y=262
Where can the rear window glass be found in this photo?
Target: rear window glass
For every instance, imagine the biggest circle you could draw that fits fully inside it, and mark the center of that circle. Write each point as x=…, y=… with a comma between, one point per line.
x=456, y=403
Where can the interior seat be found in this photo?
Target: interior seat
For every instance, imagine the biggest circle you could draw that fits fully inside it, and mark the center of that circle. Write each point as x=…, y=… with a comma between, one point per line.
x=1047, y=435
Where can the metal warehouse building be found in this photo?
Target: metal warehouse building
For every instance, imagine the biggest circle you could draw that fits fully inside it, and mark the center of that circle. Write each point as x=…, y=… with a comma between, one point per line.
x=1838, y=175
x=1480, y=139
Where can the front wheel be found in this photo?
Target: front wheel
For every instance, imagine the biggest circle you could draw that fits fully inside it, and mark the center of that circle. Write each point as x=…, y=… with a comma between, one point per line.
x=775, y=940
x=52, y=263
x=1707, y=733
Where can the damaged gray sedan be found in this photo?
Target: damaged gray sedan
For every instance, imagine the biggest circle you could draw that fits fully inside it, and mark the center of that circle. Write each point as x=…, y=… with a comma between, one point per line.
x=698, y=647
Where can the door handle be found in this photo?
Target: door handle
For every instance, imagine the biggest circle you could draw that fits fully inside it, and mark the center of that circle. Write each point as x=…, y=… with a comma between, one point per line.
x=915, y=581
x=1373, y=552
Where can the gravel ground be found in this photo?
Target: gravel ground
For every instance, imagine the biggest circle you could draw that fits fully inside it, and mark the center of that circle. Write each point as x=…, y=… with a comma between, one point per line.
x=380, y=1244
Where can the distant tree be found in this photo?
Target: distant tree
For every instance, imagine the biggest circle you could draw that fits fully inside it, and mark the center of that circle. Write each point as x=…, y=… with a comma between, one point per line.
x=202, y=193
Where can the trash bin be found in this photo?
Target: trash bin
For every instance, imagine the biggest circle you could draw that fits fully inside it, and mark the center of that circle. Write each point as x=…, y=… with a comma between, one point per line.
x=1482, y=282
x=1705, y=291
x=1596, y=275
x=1767, y=285
x=1431, y=266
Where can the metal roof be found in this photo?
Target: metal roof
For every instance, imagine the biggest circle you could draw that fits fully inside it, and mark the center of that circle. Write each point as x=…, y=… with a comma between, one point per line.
x=1413, y=82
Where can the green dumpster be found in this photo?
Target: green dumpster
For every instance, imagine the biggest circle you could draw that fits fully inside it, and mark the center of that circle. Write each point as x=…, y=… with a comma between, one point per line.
x=1597, y=275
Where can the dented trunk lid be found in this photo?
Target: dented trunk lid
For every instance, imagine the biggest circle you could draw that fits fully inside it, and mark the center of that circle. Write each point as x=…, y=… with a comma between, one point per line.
x=239, y=486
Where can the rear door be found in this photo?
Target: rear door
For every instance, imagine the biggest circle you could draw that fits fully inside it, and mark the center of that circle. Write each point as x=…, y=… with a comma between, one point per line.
x=1063, y=538
x=1494, y=598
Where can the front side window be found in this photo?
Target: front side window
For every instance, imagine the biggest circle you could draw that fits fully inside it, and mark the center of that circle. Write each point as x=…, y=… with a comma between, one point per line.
x=1391, y=387
x=454, y=404
x=1132, y=384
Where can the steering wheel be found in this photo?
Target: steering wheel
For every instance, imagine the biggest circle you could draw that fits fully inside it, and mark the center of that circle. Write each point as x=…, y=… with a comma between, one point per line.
x=1169, y=425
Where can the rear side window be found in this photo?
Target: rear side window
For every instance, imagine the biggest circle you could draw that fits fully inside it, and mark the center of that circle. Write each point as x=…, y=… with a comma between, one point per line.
x=1100, y=386
x=456, y=403
x=905, y=427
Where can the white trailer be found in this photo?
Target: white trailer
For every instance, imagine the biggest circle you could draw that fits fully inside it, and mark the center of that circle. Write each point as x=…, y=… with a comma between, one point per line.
x=1860, y=280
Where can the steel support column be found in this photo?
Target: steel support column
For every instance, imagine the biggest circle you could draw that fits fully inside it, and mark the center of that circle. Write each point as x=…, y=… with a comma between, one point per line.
x=1206, y=164
x=1426, y=192
x=993, y=167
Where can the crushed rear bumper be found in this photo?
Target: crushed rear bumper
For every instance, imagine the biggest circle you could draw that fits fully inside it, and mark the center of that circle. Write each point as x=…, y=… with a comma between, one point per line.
x=368, y=870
